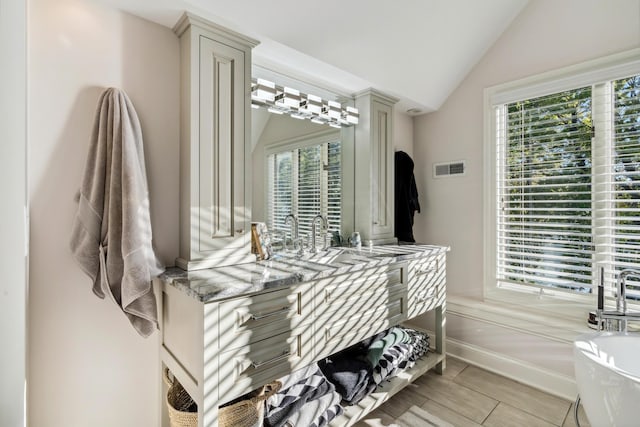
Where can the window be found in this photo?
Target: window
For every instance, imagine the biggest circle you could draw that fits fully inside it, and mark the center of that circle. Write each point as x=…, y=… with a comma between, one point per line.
x=305, y=181
x=544, y=216
x=566, y=184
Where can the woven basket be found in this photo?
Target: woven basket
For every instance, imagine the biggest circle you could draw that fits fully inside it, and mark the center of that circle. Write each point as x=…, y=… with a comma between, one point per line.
x=183, y=412
x=248, y=412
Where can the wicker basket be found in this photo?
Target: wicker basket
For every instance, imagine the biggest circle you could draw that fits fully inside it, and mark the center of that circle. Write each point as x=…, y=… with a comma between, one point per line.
x=248, y=412
x=183, y=411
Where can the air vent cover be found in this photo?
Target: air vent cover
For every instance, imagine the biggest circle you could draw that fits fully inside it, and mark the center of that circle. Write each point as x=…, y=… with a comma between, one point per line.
x=442, y=170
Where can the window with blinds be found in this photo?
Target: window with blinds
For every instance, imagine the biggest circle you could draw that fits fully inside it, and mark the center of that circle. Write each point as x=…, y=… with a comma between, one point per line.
x=306, y=182
x=544, y=217
x=622, y=237
x=568, y=187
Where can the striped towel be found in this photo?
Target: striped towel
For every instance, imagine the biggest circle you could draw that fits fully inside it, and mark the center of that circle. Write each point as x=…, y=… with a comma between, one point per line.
x=289, y=401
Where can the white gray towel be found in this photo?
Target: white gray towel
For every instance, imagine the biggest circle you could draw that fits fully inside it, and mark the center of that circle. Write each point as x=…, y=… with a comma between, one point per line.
x=310, y=414
x=111, y=235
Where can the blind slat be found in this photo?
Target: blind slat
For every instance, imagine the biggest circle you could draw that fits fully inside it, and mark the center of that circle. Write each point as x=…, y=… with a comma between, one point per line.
x=548, y=211
x=306, y=182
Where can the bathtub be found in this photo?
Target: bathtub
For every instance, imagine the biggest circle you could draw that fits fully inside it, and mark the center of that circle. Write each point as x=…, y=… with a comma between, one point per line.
x=607, y=367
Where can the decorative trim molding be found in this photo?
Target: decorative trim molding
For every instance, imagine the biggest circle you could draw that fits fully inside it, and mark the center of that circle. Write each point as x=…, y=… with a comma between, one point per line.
x=526, y=373
x=188, y=19
x=376, y=93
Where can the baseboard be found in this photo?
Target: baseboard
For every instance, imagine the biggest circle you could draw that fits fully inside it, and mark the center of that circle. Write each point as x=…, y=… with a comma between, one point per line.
x=523, y=372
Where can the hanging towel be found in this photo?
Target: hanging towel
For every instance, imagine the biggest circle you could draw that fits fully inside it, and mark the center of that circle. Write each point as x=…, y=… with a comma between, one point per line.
x=111, y=234
x=406, y=197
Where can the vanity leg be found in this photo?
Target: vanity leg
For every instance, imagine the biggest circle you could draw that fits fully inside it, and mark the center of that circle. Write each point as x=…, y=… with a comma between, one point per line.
x=441, y=319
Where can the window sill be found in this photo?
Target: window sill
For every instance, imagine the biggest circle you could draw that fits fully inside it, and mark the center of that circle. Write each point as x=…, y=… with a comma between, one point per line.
x=513, y=311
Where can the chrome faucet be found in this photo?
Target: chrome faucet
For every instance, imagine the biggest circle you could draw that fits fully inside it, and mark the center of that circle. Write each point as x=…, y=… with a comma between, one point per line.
x=621, y=297
x=291, y=218
x=620, y=315
x=323, y=226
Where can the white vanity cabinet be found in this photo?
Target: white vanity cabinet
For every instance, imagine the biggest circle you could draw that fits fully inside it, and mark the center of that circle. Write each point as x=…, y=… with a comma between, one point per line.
x=426, y=283
x=222, y=349
x=374, y=163
x=215, y=214
x=351, y=307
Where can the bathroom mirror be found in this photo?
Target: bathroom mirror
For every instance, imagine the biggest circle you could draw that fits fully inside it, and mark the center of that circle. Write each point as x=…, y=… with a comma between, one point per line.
x=299, y=166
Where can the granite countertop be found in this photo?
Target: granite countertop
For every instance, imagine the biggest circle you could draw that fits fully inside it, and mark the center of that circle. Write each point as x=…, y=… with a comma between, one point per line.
x=220, y=283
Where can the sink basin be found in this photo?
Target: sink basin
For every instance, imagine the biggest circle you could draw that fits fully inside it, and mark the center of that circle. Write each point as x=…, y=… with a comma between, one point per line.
x=607, y=369
x=336, y=256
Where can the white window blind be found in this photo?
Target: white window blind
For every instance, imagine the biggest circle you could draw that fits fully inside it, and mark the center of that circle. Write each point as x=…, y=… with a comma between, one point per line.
x=305, y=182
x=544, y=212
x=280, y=189
x=622, y=232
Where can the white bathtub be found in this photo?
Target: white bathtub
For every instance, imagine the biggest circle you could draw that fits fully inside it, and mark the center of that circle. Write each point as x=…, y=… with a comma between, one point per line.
x=607, y=367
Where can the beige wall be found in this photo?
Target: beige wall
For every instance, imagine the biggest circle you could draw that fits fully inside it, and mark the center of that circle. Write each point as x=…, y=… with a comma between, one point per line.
x=402, y=132
x=87, y=365
x=547, y=35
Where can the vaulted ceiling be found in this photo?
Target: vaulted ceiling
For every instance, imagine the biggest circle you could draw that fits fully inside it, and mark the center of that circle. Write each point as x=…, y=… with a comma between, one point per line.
x=416, y=50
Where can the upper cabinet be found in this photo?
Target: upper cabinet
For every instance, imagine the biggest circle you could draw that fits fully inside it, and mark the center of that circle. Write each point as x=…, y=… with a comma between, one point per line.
x=374, y=188
x=215, y=145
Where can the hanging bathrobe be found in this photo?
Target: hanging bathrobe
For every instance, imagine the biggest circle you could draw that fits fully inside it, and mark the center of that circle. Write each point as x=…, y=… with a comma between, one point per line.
x=406, y=197
x=111, y=235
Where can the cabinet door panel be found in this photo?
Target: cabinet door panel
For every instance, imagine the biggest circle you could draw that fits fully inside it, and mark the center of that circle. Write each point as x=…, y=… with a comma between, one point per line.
x=221, y=212
x=382, y=163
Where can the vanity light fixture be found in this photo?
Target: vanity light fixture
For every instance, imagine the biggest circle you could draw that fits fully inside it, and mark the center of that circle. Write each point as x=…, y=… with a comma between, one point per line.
x=311, y=105
x=333, y=110
x=263, y=91
x=288, y=99
x=275, y=110
x=351, y=115
x=281, y=100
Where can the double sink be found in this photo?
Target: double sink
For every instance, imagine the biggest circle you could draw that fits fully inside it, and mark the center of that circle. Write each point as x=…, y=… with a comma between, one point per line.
x=338, y=256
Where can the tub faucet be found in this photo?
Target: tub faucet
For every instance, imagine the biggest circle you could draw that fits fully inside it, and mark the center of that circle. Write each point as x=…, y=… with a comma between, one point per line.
x=323, y=226
x=621, y=298
x=621, y=315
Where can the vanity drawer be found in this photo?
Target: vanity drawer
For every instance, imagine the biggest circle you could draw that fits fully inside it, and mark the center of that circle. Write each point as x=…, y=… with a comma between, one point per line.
x=249, y=319
x=343, y=294
x=348, y=330
x=247, y=368
x=425, y=267
x=426, y=284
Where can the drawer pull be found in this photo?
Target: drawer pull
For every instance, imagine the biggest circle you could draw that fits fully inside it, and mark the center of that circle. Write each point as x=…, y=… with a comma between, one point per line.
x=425, y=271
x=273, y=313
x=426, y=298
x=284, y=355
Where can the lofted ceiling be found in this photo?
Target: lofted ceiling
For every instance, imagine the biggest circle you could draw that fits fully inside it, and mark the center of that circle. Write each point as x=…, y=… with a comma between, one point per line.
x=416, y=50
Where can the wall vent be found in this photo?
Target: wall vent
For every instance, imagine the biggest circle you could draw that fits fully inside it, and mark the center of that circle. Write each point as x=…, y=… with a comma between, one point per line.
x=442, y=170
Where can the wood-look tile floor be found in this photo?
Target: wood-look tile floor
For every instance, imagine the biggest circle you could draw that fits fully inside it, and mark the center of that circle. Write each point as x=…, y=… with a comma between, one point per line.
x=467, y=396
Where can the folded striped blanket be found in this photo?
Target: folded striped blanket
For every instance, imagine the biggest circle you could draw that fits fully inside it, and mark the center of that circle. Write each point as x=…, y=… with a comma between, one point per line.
x=317, y=413
x=299, y=395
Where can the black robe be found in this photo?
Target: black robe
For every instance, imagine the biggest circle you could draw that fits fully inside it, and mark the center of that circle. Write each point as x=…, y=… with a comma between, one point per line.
x=406, y=197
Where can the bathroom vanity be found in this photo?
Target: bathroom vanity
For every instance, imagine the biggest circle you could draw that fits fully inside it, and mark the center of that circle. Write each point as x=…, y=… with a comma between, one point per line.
x=230, y=325
x=229, y=330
